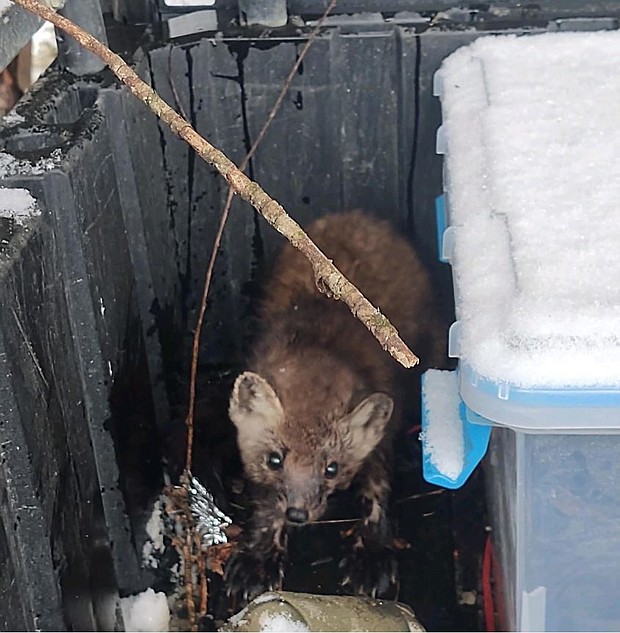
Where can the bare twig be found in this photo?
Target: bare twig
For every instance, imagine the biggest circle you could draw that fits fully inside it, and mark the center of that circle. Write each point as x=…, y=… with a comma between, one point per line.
x=173, y=88
x=188, y=580
x=287, y=84
x=189, y=421
x=177, y=506
x=202, y=572
x=328, y=278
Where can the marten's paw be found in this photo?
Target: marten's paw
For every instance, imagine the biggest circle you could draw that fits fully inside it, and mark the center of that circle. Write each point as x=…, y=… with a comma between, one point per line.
x=247, y=576
x=370, y=571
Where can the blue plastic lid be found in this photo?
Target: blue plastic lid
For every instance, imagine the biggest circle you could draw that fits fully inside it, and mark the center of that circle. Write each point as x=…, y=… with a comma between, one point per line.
x=475, y=443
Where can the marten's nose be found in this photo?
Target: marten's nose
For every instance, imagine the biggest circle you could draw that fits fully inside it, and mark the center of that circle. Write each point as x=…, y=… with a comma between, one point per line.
x=297, y=515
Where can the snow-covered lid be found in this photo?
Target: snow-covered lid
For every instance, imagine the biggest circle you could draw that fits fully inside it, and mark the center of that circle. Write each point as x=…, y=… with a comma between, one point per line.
x=531, y=127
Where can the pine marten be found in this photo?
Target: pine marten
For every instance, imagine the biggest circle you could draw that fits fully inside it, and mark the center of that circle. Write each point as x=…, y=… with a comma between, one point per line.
x=315, y=412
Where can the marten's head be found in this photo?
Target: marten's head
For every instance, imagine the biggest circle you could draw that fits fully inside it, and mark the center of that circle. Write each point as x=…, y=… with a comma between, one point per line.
x=309, y=439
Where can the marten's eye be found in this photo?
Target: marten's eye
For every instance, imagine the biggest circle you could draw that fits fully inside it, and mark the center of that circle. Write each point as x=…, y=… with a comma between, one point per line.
x=275, y=461
x=332, y=470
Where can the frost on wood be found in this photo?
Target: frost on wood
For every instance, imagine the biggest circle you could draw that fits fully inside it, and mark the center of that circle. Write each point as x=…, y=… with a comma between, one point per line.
x=11, y=166
x=210, y=520
x=154, y=545
x=532, y=131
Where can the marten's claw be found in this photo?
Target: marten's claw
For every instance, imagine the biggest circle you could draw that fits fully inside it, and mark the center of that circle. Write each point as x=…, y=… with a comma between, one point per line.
x=247, y=576
x=371, y=572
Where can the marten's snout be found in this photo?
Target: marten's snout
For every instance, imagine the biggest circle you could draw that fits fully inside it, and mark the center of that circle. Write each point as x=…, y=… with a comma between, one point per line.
x=297, y=515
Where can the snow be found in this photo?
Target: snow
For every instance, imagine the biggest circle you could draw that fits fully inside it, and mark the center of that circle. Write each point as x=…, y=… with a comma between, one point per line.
x=17, y=204
x=268, y=620
x=44, y=50
x=532, y=128
x=12, y=118
x=154, y=546
x=155, y=526
x=11, y=166
x=147, y=611
x=443, y=437
x=280, y=623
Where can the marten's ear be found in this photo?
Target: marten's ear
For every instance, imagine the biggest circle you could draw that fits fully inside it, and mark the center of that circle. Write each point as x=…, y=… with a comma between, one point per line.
x=254, y=406
x=365, y=425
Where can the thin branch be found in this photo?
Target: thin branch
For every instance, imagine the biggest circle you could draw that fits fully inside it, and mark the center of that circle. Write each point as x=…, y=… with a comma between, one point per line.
x=328, y=278
x=173, y=88
x=188, y=579
x=287, y=84
x=189, y=421
x=177, y=506
x=202, y=572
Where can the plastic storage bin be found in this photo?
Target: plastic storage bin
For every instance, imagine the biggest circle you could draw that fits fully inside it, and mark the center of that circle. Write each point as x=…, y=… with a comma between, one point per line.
x=552, y=471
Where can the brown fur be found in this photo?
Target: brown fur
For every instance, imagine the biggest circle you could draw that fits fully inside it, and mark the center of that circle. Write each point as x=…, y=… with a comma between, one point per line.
x=321, y=391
